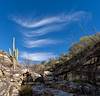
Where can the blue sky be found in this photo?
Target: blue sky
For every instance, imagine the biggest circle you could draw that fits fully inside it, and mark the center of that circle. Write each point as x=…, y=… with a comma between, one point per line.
x=46, y=28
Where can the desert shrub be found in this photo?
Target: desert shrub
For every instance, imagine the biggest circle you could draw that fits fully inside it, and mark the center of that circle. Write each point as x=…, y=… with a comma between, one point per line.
x=26, y=90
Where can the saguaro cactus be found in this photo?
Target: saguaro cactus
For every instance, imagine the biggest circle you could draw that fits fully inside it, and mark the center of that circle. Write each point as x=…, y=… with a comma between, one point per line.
x=14, y=52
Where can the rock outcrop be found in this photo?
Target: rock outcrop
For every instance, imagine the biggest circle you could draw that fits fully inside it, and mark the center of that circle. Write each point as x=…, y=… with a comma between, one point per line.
x=10, y=78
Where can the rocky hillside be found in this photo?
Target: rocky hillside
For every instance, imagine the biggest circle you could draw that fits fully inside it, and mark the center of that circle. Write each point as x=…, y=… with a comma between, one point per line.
x=9, y=77
x=81, y=62
x=81, y=65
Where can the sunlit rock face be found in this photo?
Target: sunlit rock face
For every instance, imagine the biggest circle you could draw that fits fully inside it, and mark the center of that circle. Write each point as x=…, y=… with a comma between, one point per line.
x=9, y=78
x=34, y=74
x=4, y=59
x=46, y=73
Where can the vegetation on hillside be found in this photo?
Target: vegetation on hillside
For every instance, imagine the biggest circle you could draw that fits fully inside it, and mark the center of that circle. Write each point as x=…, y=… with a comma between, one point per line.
x=77, y=51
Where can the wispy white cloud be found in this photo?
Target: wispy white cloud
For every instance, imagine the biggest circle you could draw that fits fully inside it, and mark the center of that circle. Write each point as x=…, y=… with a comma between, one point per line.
x=40, y=56
x=36, y=23
x=43, y=30
x=39, y=27
x=39, y=42
x=65, y=18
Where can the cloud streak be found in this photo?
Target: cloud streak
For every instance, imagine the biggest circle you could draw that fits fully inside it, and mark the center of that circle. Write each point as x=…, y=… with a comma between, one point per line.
x=33, y=24
x=44, y=30
x=39, y=56
x=65, y=18
x=40, y=42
